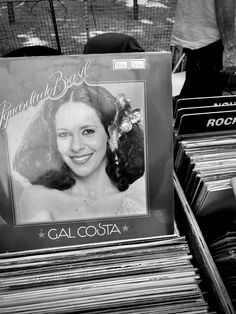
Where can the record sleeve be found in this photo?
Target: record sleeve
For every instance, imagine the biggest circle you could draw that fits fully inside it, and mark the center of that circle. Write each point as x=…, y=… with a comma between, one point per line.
x=59, y=186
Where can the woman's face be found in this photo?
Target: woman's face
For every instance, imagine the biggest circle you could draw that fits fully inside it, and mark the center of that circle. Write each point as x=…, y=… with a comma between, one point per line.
x=81, y=138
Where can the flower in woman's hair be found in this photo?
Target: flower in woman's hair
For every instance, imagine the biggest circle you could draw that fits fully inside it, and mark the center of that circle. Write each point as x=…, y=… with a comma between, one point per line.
x=113, y=137
x=131, y=117
x=125, y=126
x=135, y=116
x=123, y=122
x=121, y=100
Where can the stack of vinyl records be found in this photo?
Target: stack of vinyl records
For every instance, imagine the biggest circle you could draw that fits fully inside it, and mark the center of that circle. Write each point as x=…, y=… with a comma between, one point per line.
x=223, y=251
x=151, y=276
x=68, y=242
x=205, y=163
x=189, y=226
x=204, y=152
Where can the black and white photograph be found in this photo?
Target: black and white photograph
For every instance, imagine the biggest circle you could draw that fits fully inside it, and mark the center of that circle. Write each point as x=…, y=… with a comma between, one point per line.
x=86, y=149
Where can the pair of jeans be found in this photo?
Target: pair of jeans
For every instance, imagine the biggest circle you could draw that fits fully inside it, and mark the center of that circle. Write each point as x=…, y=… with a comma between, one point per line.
x=204, y=75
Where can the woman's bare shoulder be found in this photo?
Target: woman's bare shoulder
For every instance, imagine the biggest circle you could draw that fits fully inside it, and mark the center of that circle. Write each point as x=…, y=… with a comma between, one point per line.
x=134, y=200
x=34, y=190
x=39, y=193
x=33, y=205
x=137, y=187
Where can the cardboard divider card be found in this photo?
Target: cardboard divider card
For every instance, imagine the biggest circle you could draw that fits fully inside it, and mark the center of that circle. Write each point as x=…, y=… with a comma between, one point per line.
x=218, y=101
x=209, y=122
x=198, y=110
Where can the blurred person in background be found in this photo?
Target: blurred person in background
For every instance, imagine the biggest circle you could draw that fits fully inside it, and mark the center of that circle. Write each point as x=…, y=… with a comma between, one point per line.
x=205, y=29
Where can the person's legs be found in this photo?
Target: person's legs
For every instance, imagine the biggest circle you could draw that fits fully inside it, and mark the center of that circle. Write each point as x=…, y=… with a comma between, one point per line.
x=203, y=71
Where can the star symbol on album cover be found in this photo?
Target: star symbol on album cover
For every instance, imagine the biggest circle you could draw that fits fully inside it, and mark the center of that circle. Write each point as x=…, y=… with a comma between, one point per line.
x=125, y=228
x=41, y=234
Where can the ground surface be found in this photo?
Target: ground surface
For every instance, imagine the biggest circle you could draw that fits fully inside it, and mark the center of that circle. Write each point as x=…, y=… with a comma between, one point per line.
x=76, y=20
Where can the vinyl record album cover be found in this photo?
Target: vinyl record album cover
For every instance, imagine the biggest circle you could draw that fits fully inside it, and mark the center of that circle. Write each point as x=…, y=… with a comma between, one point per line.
x=86, y=150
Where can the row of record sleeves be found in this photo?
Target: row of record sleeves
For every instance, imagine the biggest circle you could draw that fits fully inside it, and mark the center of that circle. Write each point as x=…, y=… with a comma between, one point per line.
x=205, y=163
x=142, y=276
x=188, y=225
x=223, y=250
x=204, y=151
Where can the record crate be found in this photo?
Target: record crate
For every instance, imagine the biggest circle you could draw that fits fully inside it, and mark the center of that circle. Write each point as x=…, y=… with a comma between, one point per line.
x=205, y=164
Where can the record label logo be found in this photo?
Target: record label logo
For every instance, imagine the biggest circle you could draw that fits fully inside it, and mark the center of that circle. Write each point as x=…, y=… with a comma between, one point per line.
x=120, y=64
x=137, y=64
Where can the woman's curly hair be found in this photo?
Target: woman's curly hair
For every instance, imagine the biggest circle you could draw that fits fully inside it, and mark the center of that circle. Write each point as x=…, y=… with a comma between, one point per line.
x=39, y=161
